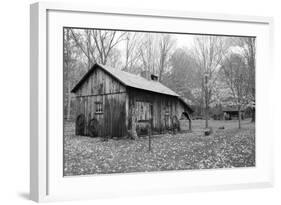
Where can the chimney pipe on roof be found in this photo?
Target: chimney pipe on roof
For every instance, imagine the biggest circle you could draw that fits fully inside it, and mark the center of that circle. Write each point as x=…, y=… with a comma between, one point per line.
x=147, y=75
x=154, y=77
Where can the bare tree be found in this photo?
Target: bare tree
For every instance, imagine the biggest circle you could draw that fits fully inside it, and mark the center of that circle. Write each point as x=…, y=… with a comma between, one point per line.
x=149, y=52
x=235, y=75
x=83, y=40
x=209, y=52
x=97, y=45
x=248, y=45
x=182, y=74
x=67, y=62
x=166, y=44
x=105, y=41
x=114, y=58
x=72, y=68
x=132, y=53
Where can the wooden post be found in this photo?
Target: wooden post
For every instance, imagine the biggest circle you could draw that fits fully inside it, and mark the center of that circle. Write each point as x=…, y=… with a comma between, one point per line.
x=134, y=134
x=253, y=115
x=149, y=141
x=149, y=135
x=239, y=116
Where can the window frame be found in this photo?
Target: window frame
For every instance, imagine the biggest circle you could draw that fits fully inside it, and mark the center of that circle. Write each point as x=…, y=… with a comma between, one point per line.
x=99, y=108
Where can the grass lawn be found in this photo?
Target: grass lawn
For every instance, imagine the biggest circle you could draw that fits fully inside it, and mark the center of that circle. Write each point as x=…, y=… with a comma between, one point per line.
x=225, y=148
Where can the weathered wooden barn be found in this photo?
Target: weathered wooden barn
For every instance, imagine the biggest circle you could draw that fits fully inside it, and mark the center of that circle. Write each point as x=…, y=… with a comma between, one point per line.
x=112, y=103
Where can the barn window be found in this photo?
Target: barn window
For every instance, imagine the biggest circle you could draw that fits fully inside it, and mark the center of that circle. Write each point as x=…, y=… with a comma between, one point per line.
x=99, y=108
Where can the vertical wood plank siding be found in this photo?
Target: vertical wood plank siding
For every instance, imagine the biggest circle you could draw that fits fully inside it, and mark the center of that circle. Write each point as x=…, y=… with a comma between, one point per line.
x=164, y=107
x=101, y=87
x=116, y=102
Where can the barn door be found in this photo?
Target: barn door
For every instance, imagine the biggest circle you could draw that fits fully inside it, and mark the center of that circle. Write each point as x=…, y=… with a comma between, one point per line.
x=144, y=116
x=143, y=111
x=167, y=117
x=80, y=125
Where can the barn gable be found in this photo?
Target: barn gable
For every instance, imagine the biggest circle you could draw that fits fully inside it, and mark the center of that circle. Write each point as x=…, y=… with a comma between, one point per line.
x=98, y=82
x=100, y=105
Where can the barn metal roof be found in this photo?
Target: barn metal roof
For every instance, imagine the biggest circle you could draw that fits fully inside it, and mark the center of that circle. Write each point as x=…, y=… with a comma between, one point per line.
x=130, y=80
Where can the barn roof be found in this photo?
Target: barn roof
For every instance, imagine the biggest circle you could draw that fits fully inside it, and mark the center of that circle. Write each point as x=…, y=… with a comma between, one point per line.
x=130, y=80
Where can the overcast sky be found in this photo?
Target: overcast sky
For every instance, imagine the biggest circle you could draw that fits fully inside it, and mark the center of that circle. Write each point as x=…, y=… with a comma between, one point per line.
x=182, y=41
x=185, y=41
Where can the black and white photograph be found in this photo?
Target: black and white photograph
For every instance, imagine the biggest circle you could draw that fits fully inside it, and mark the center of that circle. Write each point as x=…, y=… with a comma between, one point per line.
x=149, y=101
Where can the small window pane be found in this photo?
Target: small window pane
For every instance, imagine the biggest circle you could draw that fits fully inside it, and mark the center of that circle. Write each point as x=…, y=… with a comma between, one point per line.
x=99, y=107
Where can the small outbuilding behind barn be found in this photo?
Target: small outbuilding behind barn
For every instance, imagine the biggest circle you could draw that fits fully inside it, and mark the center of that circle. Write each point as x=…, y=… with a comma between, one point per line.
x=231, y=113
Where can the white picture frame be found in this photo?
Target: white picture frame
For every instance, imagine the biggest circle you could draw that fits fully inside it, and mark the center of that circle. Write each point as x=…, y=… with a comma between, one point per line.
x=46, y=180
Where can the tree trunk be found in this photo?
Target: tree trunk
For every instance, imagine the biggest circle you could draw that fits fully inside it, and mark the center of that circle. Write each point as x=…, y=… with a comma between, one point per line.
x=207, y=106
x=239, y=117
x=239, y=111
x=68, y=74
x=133, y=133
x=69, y=100
x=206, y=117
x=253, y=115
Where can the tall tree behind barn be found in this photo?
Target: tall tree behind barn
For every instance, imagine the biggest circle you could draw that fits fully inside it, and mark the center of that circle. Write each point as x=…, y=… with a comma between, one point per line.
x=110, y=103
